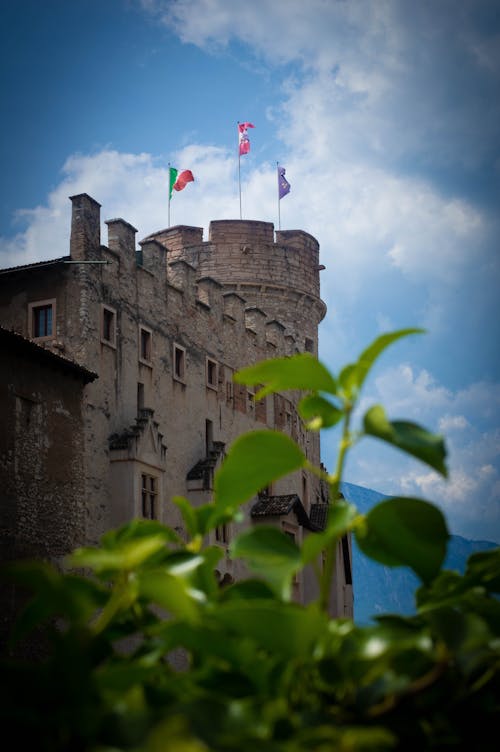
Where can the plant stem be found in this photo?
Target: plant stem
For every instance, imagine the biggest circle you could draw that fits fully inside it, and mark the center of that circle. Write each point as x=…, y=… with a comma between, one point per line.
x=334, y=481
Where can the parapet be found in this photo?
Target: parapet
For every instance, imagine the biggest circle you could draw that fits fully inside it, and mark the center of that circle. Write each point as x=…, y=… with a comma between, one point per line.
x=226, y=231
x=178, y=237
x=121, y=236
x=297, y=239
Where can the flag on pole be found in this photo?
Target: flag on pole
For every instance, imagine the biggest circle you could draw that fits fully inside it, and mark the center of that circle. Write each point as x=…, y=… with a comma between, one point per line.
x=283, y=184
x=244, y=141
x=179, y=180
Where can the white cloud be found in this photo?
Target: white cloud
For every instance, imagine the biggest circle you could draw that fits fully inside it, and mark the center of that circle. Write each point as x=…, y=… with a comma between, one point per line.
x=407, y=76
x=470, y=497
x=453, y=423
x=131, y=186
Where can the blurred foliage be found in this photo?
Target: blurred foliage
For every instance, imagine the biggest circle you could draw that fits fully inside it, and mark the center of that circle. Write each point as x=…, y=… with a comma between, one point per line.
x=145, y=651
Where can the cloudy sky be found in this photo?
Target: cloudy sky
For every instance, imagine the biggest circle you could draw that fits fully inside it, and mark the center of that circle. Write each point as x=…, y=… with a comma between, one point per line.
x=386, y=115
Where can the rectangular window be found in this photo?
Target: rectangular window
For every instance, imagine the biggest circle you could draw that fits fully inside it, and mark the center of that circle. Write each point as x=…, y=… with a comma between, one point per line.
x=222, y=533
x=149, y=493
x=179, y=358
x=305, y=492
x=140, y=396
x=251, y=400
x=41, y=321
x=108, y=325
x=145, y=345
x=261, y=407
x=211, y=373
x=309, y=345
x=209, y=437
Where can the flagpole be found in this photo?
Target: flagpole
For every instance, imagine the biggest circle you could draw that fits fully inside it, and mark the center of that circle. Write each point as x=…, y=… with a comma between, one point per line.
x=239, y=167
x=169, y=192
x=278, y=179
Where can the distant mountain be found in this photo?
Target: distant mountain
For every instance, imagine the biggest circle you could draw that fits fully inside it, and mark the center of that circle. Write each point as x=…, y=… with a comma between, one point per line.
x=379, y=589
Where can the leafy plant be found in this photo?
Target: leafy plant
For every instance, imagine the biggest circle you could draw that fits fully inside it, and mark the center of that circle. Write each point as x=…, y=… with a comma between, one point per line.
x=145, y=651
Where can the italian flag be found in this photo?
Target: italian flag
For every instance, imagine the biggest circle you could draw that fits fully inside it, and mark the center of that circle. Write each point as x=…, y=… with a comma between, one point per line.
x=179, y=180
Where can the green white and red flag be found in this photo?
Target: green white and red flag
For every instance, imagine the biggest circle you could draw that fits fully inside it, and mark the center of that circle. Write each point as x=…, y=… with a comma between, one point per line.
x=179, y=179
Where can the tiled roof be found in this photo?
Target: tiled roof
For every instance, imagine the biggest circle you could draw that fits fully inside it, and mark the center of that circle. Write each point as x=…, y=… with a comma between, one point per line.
x=276, y=506
x=318, y=515
x=17, y=343
x=35, y=265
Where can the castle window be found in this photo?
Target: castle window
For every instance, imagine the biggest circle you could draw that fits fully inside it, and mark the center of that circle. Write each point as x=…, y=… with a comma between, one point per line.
x=209, y=437
x=41, y=319
x=305, y=491
x=261, y=408
x=145, y=345
x=108, y=325
x=309, y=345
x=251, y=400
x=211, y=373
x=149, y=493
x=140, y=396
x=179, y=358
x=222, y=533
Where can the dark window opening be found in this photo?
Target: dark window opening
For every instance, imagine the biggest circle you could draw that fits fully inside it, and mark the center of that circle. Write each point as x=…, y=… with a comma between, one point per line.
x=140, y=396
x=209, y=437
x=347, y=560
x=42, y=321
x=148, y=496
x=179, y=362
x=145, y=345
x=222, y=533
x=108, y=325
x=211, y=373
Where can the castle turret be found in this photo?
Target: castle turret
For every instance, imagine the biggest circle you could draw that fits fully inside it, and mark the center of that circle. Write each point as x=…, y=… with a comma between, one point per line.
x=280, y=277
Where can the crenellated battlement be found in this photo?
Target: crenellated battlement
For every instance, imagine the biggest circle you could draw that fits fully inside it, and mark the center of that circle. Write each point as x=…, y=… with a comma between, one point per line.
x=277, y=272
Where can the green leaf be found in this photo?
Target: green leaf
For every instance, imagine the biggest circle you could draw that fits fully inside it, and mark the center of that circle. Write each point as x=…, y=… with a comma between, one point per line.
x=271, y=554
x=209, y=516
x=405, y=532
x=168, y=591
x=54, y=594
x=120, y=677
x=301, y=371
x=247, y=590
x=353, y=376
x=285, y=629
x=318, y=412
x=124, y=557
x=254, y=460
x=483, y=568
x=409, y=437
x=188, y=514
x=339, y=522
x=135, y=529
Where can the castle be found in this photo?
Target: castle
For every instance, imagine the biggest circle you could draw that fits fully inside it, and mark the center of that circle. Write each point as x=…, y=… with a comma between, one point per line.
x=117, y=385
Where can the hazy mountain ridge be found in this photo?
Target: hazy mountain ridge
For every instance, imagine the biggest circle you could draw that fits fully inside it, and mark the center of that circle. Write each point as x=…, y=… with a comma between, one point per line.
x=379, y=589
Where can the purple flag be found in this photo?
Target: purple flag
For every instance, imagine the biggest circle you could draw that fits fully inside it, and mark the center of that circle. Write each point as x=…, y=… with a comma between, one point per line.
x=283, y=184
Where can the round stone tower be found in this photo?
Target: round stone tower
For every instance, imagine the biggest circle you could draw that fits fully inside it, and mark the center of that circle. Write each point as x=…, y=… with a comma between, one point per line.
x=281, y=277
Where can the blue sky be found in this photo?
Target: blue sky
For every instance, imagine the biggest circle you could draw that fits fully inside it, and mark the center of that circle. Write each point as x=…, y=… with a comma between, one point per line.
x=386, y=115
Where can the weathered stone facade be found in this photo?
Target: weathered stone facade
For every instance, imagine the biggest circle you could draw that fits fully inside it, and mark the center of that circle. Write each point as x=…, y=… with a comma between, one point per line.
x=165, y=328
x=43, y=507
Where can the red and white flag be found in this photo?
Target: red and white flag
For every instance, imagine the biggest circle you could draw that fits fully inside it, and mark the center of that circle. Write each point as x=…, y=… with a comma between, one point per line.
x=244, y=141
